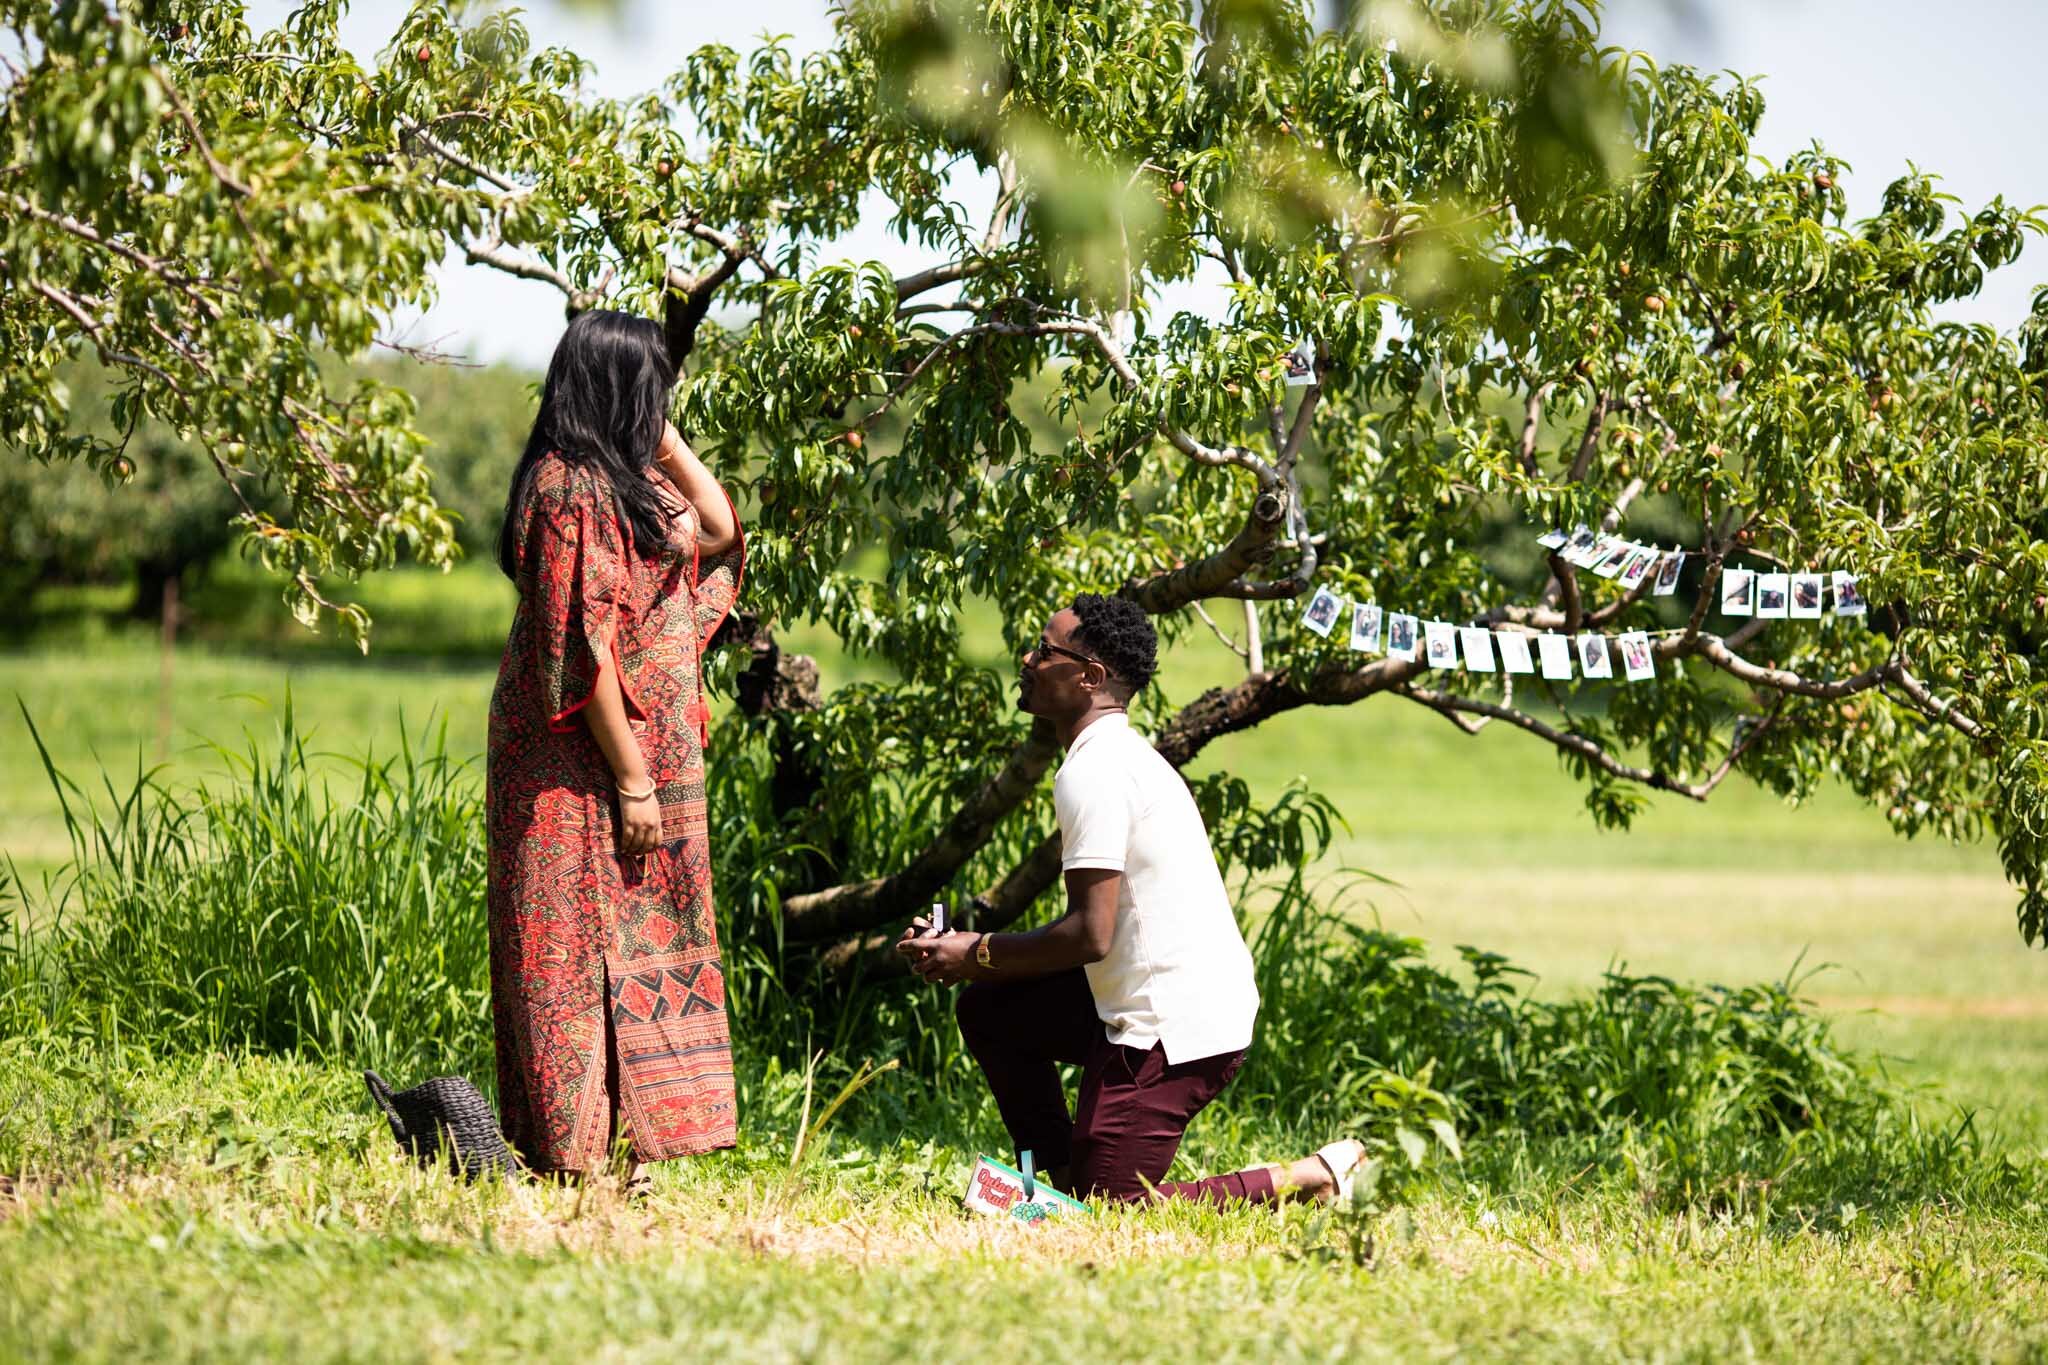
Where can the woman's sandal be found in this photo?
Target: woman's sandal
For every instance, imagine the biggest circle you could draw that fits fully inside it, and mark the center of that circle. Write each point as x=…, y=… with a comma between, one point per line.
x=1342, y=1159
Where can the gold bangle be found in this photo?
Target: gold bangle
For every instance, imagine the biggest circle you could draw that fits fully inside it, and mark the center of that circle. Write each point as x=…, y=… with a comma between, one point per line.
x=635, y=796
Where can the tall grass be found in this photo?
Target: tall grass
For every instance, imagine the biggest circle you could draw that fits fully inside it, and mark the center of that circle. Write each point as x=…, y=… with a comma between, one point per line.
x=279, y=913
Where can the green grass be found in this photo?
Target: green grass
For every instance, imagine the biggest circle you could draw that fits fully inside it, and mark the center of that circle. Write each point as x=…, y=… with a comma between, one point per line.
x=219, y=1208
x=203, y=1209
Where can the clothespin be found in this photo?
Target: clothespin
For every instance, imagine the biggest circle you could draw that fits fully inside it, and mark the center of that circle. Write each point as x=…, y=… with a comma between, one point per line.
x=1030, y=1180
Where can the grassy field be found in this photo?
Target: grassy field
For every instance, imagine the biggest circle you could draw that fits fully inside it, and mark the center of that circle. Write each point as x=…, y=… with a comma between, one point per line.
x=216, y=1208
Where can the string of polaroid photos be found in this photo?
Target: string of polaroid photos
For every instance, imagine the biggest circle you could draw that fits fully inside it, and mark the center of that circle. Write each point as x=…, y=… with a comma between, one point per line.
x=1478, y=649
x=1589, y=654
x=1744, y=592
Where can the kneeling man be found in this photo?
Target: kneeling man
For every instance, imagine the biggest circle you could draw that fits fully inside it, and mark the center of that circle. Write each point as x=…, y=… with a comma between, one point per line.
x=1145, y=982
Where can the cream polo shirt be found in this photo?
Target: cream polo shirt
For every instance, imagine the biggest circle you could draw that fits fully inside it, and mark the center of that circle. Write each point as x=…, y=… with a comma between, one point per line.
x=1177, y=971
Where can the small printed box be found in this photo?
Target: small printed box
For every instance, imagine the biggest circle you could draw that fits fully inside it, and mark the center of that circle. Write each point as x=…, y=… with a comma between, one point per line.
x=998, y=1190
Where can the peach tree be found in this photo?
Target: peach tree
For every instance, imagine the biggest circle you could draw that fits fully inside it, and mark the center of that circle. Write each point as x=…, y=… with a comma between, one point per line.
x=1548, y=282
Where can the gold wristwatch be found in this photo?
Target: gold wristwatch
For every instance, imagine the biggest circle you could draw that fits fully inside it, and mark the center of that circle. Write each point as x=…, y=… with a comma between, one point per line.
x=981, y=952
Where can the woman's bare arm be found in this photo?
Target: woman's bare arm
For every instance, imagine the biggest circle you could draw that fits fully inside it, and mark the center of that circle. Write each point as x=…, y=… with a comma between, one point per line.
x=717, y=528
x=639, y=819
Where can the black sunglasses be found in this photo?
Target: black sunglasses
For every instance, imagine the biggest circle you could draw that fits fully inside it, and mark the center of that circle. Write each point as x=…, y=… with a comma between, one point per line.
x=1045, y=646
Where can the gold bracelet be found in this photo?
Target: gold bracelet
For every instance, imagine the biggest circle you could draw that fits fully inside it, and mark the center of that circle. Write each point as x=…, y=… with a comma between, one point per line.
x=635, y=796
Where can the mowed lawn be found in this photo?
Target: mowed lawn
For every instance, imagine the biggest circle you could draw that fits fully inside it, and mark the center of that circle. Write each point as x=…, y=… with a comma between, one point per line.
x=1480, y=839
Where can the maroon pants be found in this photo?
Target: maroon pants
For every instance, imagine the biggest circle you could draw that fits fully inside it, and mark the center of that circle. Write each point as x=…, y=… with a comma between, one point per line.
x=1133, y=1107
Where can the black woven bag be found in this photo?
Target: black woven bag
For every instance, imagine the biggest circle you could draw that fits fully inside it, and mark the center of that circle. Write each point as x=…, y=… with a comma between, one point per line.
x=446, y=1119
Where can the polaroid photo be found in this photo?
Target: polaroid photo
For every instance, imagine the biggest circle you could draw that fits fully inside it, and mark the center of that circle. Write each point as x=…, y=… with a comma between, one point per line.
x=1848, y=597
x=1365, y=628
x=1476, y=644
x=1619, y=552
x=1514, y=651
x=1637, y=569
x=1772, y=590
x=1806, y=594
x=1636, y=663
x=1593, y=662
x=1584, y=539
x=1667, y=574
x=1441, y=640
x=1553, y=540
x=1322, y=612
x=1300, y=364
x=1738, y=592
x=1556, y=652
x=1401, y=631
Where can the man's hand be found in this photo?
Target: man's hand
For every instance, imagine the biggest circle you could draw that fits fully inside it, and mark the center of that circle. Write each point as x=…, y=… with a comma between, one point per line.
x=917, y=930
x=945, y=960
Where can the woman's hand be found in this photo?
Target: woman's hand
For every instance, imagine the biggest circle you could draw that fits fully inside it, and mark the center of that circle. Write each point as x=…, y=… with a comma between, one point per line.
x=639, y=823
x=716, y=528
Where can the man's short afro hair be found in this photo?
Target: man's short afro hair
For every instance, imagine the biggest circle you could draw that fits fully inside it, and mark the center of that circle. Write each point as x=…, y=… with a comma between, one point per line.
x=1117, y=631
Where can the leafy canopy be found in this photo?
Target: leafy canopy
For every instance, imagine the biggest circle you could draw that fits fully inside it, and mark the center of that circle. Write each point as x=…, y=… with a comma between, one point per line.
x=1548, y=282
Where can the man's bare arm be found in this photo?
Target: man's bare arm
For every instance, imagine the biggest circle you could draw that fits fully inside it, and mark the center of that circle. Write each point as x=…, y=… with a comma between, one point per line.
x=1075, y=939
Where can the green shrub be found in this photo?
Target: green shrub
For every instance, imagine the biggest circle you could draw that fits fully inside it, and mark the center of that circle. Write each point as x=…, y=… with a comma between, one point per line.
x=1691, y=1091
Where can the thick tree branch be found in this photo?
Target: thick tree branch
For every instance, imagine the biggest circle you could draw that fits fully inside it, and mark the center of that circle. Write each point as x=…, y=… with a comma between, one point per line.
x=862, y=905
x=924, y=281
x=1572, y=743
x=1532, y=429
x=498, y=256
x=688, y=301
x=910, y=286
x=1937, y=709
x=418, y=132
x=1261, y=696
x=75, y=309
x=1221, y=574
x=1589, y=444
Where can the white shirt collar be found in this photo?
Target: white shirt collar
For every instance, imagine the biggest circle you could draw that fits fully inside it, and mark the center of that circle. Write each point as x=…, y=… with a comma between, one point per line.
x=1113, y=718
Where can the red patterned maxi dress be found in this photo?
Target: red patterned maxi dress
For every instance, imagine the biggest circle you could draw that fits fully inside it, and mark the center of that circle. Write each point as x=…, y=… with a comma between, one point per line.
x=607, y=991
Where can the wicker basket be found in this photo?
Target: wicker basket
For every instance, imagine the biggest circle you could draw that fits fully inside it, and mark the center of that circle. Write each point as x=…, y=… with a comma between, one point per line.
x=445, y=1120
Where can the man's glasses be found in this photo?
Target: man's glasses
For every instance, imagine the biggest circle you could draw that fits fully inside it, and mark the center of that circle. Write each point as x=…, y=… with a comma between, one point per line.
x=1045, y=647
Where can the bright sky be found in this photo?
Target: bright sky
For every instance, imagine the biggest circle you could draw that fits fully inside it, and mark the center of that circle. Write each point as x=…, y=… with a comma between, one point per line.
x=1879, y=82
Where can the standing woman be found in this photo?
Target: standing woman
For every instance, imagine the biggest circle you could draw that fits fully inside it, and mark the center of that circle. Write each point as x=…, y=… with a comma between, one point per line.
x=607, y=991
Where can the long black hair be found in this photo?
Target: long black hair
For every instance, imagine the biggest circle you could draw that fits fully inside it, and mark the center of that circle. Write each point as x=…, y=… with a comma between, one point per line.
x=604, y=404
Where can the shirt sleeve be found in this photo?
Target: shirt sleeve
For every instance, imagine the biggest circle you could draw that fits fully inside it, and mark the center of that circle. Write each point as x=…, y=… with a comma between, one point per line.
x=578, y=561
x=1095, y=820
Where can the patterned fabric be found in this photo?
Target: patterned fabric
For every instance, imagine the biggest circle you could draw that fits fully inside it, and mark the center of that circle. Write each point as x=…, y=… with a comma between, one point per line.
x=607, y=991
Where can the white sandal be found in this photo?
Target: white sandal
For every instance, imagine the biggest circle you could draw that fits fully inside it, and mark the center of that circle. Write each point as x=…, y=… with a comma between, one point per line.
x=1342, y=1159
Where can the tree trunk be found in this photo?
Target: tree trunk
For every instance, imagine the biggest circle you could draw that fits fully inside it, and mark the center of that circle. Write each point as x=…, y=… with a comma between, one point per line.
x=156, y=584
x=778, y=684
